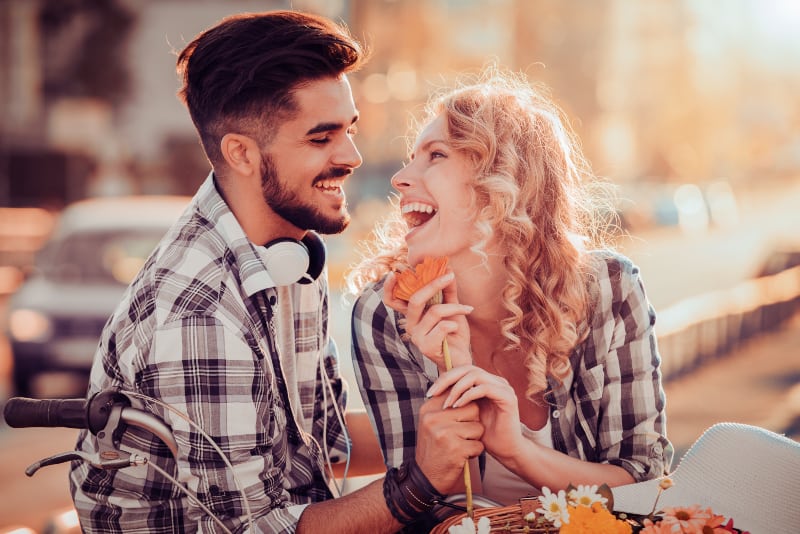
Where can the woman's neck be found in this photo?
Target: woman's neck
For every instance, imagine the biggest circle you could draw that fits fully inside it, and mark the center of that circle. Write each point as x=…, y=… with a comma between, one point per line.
x=481, y=282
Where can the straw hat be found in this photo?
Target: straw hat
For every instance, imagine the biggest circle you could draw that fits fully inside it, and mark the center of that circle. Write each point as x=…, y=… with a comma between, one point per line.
x=740, y=471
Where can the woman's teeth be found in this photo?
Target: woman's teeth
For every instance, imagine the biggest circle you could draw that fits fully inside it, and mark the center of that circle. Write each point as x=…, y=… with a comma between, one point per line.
x=417, y=213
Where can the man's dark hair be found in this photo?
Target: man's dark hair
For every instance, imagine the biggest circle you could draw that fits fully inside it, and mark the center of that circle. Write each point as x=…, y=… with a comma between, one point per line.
x=240, y=75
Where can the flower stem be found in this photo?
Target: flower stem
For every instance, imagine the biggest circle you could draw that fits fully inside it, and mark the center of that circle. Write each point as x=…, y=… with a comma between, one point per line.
x=448, y=364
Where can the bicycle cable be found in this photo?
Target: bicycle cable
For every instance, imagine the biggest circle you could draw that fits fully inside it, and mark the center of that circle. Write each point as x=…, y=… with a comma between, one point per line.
x=348, y=444
x=216, y=447
x=192, y=497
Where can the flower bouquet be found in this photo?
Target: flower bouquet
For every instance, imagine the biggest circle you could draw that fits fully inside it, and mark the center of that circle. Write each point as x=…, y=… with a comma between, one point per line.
x=586, y=510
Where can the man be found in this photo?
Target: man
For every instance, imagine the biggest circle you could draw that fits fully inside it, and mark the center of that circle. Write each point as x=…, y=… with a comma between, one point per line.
x=227, y=321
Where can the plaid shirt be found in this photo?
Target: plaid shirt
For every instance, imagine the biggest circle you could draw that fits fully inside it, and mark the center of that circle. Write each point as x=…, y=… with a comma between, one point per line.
x=204, y=329
x=609, y=409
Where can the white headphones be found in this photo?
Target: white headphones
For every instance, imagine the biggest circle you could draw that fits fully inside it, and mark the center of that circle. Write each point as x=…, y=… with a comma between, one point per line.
x=289, y=261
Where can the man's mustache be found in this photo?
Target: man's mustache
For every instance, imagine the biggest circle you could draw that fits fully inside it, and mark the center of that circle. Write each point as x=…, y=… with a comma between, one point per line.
x=334, y=172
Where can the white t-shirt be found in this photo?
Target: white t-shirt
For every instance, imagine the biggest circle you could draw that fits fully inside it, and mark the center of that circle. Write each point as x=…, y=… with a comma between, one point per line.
x=503, y=486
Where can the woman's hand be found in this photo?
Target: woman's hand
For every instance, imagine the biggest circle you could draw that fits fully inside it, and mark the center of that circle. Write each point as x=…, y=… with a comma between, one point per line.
x=497, y=401
x=429, y=325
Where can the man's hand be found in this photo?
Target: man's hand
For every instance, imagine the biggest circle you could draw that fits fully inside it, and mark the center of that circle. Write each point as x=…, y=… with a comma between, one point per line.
x=446, y=439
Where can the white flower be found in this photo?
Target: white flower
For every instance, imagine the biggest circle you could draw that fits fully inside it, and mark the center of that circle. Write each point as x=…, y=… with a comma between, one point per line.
x=530, y=517
x=554, y=506
x=467, y=526
x=586, y=496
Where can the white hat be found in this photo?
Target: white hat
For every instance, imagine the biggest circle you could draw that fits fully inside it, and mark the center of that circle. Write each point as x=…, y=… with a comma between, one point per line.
x=742, y=472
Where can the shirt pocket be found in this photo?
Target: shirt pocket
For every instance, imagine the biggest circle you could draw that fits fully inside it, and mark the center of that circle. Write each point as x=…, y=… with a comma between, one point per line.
x=588, y=392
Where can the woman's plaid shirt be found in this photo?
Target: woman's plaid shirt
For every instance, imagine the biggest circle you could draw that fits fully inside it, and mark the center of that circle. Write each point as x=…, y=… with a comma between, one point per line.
x=609, y=409
x=204, y=329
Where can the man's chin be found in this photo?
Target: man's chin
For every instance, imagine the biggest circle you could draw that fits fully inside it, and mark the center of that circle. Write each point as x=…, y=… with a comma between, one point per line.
x=333, y=226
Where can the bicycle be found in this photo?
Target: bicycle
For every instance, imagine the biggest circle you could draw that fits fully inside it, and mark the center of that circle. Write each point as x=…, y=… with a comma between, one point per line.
x=106, y=414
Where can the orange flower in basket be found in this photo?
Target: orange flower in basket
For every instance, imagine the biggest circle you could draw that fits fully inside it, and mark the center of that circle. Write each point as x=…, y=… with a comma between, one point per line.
x=411, y=280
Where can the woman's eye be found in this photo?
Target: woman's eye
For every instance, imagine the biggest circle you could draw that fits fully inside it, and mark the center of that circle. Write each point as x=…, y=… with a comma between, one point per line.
x=436, y=154
x=353, y=130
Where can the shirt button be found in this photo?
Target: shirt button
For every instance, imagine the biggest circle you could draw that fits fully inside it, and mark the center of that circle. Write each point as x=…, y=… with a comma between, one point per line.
x=272, y=300
x=556, y=414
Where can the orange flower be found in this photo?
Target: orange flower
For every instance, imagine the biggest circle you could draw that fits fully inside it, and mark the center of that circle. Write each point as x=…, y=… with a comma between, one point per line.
x=411, y=280
x=595, y=520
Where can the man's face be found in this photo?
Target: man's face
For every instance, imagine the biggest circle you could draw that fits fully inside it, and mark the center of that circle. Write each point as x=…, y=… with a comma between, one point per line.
x=304, y=167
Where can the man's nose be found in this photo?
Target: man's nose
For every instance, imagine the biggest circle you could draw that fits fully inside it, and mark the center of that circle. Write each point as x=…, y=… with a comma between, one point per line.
x=349, y=155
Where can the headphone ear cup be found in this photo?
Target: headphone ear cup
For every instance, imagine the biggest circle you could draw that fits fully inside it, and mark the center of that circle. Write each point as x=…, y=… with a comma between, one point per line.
x=317, y=256
x=286, y=260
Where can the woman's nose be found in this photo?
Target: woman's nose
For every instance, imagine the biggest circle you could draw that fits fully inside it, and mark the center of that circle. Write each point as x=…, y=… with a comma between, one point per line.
x=400, y=179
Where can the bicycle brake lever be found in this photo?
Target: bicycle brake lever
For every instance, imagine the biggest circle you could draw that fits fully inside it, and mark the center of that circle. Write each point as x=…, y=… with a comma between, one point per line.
x=109, y=462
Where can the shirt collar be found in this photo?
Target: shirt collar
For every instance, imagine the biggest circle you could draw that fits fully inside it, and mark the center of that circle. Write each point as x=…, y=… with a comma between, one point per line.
x=253, y=271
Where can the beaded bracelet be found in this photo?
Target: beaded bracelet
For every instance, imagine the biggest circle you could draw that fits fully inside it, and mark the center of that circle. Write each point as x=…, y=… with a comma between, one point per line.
x=408, y=492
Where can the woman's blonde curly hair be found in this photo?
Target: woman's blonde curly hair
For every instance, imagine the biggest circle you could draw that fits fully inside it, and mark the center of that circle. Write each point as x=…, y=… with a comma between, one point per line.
x=536, y=197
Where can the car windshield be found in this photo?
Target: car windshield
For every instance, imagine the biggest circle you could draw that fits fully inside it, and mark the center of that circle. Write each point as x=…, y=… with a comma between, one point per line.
x=98, y=257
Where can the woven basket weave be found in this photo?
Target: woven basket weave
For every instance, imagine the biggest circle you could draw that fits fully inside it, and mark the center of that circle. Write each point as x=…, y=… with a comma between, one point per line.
x=509, y=519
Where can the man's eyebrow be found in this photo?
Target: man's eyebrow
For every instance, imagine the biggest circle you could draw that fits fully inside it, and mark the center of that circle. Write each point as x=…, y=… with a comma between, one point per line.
x=329, y=126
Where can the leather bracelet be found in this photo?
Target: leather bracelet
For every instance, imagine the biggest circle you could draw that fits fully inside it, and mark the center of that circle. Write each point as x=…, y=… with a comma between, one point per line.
x=390, y=496
x=408, y=492
x=418, y=481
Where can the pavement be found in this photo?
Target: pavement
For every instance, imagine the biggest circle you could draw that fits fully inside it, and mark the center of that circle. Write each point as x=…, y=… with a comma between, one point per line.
x=758, y=384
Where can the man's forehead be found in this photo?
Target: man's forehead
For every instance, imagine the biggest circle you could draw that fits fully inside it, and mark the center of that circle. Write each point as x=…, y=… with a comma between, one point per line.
x=329, y=100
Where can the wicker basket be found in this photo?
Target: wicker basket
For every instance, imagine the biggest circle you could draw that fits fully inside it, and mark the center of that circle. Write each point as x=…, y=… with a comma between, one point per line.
x=509, y=519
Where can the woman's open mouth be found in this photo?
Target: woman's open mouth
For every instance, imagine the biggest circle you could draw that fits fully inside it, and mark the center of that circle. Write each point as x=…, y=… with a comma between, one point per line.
x=417, y=213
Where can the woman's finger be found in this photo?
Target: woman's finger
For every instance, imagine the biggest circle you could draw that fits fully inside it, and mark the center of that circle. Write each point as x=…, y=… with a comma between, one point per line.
x=398, y=305
x=423, y=295
x=498, y=393
x=475, y=386
x=470, y=383
x=447, y=379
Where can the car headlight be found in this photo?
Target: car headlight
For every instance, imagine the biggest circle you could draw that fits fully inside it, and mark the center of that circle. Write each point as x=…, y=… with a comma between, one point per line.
x=29, y=325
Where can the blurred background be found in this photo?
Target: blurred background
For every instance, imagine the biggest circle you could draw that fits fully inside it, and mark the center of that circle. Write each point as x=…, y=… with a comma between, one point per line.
x=690, y=106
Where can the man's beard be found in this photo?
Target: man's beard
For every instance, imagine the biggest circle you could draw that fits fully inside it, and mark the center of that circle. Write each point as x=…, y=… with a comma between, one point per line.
x=287, y=204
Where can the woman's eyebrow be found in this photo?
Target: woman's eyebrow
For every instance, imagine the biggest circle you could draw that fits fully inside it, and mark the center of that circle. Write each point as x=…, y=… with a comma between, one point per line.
x=427, y=144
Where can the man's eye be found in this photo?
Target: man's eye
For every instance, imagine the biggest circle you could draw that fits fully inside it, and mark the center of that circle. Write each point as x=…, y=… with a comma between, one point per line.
x=321, y=140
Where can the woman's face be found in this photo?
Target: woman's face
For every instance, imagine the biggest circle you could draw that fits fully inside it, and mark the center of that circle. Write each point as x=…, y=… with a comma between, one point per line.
x=435, y=193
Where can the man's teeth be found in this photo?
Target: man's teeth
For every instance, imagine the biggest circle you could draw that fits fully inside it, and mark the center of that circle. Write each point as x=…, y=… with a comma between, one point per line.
x=329, y=184
x=418, y=207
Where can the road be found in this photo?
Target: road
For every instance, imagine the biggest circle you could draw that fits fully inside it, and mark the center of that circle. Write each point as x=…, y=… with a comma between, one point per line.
x=757, y=384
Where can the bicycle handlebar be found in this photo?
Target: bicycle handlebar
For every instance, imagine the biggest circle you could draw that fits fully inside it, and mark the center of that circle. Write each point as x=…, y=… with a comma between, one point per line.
x=106, y=412
x=106, y=415
x=21, y=412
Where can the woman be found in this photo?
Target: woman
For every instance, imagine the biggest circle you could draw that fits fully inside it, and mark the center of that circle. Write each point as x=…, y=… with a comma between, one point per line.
x=549, y=331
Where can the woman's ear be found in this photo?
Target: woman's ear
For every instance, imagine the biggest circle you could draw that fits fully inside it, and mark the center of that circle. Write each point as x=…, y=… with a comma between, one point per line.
x=241, y=153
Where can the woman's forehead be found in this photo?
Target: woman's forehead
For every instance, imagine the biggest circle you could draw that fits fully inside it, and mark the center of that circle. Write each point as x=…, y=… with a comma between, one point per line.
x=434, y=130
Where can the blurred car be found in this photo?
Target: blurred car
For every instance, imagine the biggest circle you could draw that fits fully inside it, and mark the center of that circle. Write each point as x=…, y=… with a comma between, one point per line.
x=55, y=318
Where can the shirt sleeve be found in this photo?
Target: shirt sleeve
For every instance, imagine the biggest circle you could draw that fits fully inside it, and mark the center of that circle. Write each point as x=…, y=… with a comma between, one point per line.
x=632, y=422
x=392, y=379
x=207, y=370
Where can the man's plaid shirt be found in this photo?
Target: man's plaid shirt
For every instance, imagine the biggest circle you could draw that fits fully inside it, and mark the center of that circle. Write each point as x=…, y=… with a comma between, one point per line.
x=609, y=409
x=204, y=329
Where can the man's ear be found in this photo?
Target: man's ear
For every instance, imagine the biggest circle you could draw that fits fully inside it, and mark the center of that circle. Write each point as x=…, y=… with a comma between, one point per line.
x=241, y=153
